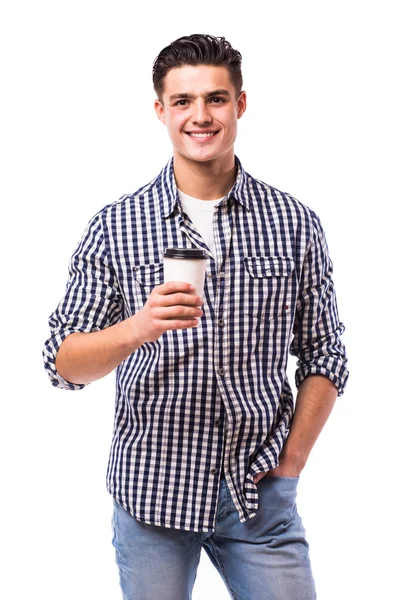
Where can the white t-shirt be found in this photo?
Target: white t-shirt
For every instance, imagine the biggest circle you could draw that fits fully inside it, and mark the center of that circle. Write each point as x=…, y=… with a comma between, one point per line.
x=201, y=213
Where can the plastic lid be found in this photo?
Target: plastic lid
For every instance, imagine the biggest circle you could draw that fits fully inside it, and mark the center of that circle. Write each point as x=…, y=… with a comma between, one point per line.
x=188, y=253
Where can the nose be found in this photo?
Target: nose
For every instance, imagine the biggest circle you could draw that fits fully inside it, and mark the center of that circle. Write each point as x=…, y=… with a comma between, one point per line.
x=201, y=113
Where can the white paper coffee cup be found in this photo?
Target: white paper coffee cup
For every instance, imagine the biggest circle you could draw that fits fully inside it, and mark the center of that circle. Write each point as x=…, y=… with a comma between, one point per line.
x=186, y=264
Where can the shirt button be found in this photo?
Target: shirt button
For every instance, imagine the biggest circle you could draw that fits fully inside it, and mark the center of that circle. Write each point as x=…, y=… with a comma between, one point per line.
x=221, y=371
x=217, y=422
x=221, y=274
x=221, y=322
x=213, y=471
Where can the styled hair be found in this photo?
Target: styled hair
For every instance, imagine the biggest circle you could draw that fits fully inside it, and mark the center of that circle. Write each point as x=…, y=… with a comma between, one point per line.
x=198, y=49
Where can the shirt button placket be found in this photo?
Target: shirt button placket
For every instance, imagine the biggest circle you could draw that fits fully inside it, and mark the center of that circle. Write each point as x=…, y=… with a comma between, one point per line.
x=221, y=322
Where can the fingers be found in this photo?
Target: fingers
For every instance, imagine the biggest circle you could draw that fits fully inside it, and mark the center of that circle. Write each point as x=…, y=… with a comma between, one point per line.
x=185, y=323
x=174, y=293
x=175, y=312
x=172, y=305
x=183, y=312
x=175, y=286
x=258, y=477
x=178, y=299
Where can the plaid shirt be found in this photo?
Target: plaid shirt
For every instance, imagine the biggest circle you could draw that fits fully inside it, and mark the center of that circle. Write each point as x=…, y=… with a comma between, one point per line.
x=215, y=398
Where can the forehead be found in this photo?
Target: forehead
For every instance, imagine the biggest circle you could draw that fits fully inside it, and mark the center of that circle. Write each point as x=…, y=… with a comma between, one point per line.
x=197, y=79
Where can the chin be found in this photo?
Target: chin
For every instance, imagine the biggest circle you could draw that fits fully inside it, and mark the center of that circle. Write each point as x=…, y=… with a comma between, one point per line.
x=204, y=156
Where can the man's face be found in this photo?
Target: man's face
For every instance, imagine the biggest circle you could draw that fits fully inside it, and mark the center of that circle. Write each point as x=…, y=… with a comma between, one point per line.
x=200, y=109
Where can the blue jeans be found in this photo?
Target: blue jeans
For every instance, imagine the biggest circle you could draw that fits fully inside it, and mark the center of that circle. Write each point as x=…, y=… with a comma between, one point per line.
x=265, y=558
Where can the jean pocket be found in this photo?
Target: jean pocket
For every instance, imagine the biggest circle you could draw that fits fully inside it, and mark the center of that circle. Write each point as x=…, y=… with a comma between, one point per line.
x=277, y=492
x=268, y=283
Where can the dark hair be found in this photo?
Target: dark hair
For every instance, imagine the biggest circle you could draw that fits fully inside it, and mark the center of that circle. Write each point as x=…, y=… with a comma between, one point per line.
x=198, y=49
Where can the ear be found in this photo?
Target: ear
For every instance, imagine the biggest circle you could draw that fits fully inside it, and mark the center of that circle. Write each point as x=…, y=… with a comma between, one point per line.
x=160, y=110
x=241, y=104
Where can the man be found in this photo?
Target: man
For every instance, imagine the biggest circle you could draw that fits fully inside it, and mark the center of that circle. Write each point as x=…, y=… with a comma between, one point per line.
x=206, y=451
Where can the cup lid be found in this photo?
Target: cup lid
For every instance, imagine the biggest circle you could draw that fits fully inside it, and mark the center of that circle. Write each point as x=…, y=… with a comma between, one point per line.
x=188, y=253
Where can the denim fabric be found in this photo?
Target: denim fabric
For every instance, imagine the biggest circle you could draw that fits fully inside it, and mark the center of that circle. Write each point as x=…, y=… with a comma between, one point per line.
x=264, y=558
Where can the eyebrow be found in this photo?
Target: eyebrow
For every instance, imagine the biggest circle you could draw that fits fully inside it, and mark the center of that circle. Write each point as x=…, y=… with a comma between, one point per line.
x=186, y=96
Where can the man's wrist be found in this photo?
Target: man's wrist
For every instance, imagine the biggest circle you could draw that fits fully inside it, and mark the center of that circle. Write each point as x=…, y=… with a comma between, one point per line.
x=293, y=461
x=133, y=335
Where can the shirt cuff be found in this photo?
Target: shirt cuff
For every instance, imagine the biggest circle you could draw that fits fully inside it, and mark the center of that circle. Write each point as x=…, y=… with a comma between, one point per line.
x=50, y=350
x=331, y=368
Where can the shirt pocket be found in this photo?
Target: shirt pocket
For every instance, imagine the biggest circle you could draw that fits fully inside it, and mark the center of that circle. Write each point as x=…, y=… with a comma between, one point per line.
x=268, y=286
x=146, y=277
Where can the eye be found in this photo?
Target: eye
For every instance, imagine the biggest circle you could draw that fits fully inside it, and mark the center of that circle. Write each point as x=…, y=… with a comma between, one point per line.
x=217, y=100
x=181, y=102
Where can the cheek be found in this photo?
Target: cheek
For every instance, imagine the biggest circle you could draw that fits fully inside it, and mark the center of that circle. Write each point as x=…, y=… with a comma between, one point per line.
x=232, y=130
x=175, y=120
x=174, y=131
x=229, y=121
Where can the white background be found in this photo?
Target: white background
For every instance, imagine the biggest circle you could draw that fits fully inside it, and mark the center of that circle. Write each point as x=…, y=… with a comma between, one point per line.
x=78, y=131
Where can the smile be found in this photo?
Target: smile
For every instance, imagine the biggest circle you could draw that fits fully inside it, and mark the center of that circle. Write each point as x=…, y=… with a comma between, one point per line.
x=202, y=135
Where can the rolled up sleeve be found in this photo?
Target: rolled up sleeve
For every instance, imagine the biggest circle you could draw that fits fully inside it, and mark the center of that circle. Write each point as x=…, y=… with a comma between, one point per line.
x=92, y=301
x=317, y=330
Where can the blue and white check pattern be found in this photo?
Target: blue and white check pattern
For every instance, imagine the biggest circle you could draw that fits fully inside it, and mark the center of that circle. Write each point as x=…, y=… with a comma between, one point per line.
x=214, y=398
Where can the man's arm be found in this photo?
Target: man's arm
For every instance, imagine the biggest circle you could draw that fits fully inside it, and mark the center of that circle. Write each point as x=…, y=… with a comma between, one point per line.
x=322, y=373
x=315, y=400
x=89, y=336
x=85, y=357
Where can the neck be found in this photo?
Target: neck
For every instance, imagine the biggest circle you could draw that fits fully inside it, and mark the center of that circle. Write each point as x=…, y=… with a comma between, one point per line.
x=204, y=180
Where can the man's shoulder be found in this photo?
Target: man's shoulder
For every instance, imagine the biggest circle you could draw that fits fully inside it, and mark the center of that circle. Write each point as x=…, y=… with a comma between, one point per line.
x=137, y=197
x=282, y=201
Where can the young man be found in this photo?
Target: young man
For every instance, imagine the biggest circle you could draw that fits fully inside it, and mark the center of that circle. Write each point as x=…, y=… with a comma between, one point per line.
x=207, y=448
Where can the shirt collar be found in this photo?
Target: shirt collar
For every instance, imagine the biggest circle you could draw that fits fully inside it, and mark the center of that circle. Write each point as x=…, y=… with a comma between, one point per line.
x=241, y=188
x=168, y=192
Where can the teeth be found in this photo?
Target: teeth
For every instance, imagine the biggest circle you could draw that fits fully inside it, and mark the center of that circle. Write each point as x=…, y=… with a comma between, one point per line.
x=202, y=135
